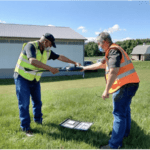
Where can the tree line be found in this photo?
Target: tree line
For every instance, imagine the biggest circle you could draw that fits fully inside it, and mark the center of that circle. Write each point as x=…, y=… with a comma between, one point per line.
x=91, y=48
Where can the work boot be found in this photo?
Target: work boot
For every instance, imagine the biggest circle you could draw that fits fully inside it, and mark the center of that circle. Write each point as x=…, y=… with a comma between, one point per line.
x=29, y=133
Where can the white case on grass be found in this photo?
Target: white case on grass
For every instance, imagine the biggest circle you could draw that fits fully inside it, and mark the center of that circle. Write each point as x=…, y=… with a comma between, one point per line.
x=72, y=124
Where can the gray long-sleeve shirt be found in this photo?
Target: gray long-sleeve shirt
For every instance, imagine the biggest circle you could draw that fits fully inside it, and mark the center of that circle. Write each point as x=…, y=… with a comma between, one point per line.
x=114, y=58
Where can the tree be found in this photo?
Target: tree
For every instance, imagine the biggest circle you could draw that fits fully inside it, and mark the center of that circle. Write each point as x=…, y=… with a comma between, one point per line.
x=91, y=49
x=85, y=50
x=138, y=41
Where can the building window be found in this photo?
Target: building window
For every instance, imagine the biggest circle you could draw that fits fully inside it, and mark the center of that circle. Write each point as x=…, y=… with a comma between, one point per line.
x=58, y=42
x=61, y=43
x=13, y=41
x=3, y=41
x=69, y=43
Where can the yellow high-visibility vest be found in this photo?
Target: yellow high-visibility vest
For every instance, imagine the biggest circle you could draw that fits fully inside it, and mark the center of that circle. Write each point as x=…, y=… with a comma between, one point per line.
x=23, y=62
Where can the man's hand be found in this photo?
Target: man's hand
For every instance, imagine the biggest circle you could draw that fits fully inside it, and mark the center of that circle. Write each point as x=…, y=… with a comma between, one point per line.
x=77, y=64
x=82, y=69
x=105, y=95
x=53, y=70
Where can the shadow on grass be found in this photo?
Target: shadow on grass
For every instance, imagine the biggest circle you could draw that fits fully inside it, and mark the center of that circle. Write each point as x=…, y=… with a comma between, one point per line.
x=96, y=139
x=99, y=73
x=136, y=140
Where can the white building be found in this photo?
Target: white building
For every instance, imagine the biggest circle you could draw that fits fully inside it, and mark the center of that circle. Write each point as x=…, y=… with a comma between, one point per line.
x=141, y=52
x=68, y=42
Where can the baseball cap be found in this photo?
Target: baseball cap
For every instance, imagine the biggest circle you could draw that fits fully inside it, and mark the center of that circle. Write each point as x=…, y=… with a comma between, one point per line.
x=103, y=36
x=51, y=38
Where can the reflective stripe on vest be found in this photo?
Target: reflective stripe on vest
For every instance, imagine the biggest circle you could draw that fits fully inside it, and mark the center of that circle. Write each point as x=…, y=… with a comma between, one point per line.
x=126, y=74
x=23, y=62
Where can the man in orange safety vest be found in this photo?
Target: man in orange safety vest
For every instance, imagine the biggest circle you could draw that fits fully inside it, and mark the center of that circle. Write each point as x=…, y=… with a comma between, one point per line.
x=122, y=81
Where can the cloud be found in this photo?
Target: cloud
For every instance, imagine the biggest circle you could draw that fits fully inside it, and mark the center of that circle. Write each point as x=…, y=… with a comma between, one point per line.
x=93, y=39
x=97, y=33
x=115, y=28
x=84, y=31
x=124, y=39
x=51, y=25
x=90, y=39
x=82, y=28
x=2, y=21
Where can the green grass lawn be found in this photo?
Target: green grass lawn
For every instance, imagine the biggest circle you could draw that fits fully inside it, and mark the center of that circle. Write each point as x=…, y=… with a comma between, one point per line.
x=95, y=58
x=79, y=99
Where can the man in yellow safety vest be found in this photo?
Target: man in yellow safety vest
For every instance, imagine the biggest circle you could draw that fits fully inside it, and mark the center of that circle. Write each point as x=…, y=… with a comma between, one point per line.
x=122, y=81
x=34, y=56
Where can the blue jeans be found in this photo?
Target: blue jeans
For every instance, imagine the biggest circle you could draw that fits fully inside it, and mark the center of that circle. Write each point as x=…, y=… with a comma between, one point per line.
x=24, y=89
x=122, y=114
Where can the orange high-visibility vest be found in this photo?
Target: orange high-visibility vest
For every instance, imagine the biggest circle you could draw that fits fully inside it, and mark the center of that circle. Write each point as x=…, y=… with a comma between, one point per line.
x=126, y=74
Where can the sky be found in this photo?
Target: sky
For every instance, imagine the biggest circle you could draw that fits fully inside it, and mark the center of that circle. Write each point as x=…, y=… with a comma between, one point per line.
x=124, y=20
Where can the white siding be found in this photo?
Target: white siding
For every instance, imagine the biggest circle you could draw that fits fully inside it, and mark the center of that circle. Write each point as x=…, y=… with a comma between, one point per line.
x=9, y=54
x=73, y=52
x=135, y=57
